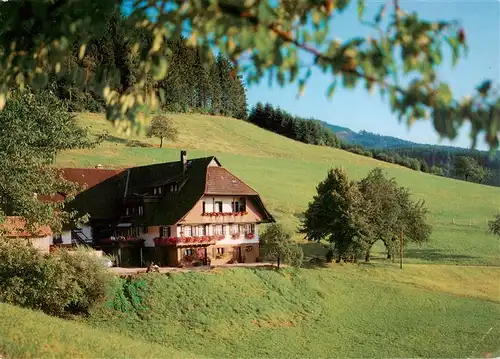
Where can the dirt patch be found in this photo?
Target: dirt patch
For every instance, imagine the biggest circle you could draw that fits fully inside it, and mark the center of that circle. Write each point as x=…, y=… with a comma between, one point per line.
x=272, y=324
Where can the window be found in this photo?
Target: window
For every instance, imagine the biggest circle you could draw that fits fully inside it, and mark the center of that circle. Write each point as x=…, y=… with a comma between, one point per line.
x=218, y=206
x=127, y=211
x=225, y=229
x=204, y=206
x=174, y=187
x=155, y=190
x=164, y=232
x=187, y=231
x=141, y=210
x=189, y=252
x=205, y=230
x=144, y=229
x=241, y=228
x=249, y=228
x=217, y=229
x=159, y=190
x=239, y=205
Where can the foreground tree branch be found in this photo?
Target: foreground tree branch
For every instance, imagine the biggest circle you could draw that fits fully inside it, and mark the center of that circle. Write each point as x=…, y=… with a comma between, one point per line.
x=401, y=60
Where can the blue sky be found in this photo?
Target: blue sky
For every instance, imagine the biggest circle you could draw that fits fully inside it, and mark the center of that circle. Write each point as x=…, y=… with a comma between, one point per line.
x=358, y=110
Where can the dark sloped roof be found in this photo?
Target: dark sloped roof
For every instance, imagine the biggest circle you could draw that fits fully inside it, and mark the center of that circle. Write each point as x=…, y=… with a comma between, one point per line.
x=89, y=177
x=108, y=190
x=104, y=191
x=221, y=181
x=173, y=205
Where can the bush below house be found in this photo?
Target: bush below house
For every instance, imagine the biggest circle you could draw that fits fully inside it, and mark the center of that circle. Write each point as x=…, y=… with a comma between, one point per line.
x=57, y=284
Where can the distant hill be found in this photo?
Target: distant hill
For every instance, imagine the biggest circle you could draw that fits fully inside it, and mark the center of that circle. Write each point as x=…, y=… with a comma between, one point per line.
x=374, y=141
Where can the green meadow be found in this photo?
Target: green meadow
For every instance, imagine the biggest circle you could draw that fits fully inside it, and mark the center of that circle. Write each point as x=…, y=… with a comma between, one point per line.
x=286, y=172
x=444, y=303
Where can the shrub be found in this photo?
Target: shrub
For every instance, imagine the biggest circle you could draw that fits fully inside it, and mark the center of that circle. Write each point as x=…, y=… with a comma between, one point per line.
x=56, y=284
x=31, y=279
x=89, y=277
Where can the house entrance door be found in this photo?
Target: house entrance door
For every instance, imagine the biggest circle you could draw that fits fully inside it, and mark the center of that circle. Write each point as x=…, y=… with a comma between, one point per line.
x=237, y=254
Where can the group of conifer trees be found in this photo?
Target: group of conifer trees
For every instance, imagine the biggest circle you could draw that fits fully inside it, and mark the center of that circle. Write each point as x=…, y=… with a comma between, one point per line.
x=190, y=86
x=310, y=131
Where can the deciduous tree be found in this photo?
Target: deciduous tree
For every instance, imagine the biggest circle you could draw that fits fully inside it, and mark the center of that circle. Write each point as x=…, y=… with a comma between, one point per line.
x=33, y=130
x=494, y=225
x=162, y=127
x=277, y=244
x=337, y=214
x=469, y=169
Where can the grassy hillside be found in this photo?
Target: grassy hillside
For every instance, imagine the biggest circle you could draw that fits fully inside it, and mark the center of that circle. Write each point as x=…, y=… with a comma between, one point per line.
x=28, y=334
x=345, y=311
x=286, y=172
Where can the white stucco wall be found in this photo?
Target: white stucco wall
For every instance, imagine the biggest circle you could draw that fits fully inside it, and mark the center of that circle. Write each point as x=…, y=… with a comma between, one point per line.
x=66, y=235
x=153, y=232
x=42, y=243
x=228, y=239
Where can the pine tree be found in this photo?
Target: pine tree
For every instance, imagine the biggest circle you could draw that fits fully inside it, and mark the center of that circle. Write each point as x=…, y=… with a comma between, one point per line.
x=215, y=90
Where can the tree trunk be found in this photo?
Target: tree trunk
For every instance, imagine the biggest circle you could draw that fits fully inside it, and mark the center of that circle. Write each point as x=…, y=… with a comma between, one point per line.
x=161, y=142
x=278, y=262
x=401, y=250
x=367, y=255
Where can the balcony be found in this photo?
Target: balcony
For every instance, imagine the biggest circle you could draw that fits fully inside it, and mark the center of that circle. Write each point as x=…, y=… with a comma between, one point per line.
x=242, y=235
x=186, y=241
x=122, y=240
x=224, y=214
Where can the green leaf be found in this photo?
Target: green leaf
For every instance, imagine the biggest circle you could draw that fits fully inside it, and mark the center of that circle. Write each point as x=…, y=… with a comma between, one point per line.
x=331, y=89
x=361, y=8
x=159, y=67
x=484, y=87
x=265, y=12
x=380, y=14
x=320, y=35
x=341, y=4
x=302, y=87
x=281, y=78
x=445, y=94
x=455, y=52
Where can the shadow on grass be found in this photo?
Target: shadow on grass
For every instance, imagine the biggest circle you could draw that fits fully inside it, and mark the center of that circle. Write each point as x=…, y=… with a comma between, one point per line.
x=434, y=255
x=127, y=142
x=314, y=254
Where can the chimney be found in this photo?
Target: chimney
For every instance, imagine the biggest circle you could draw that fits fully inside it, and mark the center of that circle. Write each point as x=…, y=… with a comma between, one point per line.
x=183, y=161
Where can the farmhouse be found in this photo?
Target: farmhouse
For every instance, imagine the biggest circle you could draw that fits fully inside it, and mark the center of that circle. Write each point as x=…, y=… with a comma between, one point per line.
x=186, y=212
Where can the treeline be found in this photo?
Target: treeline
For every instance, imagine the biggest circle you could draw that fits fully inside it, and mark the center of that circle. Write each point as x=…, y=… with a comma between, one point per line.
x=473, y=166
x=451, y=160
x=310, y=131
x=190, y=85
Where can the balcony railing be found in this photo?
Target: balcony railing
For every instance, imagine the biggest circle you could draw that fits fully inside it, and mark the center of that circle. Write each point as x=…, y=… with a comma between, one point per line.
x=122, y=239
x=224, y=214
x=172, y=241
